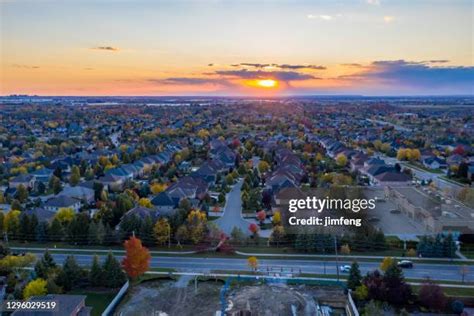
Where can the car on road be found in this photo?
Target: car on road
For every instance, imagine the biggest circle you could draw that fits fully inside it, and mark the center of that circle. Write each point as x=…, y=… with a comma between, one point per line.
x=345, y=268
x=405, y=264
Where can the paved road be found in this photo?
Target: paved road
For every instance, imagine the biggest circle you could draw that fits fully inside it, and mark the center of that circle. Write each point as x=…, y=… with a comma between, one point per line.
x=445, y=272
x=232, y=216
x=424, y=175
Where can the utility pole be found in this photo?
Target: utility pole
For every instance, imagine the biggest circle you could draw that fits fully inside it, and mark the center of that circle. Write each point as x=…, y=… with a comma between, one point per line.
x=337, y=257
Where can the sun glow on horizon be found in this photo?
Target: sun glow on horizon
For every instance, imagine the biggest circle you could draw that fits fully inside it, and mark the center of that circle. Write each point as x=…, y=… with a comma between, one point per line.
x=267, y=83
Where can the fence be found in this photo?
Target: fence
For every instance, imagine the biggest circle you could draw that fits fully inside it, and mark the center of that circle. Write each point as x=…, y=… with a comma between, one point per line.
x=110, y=308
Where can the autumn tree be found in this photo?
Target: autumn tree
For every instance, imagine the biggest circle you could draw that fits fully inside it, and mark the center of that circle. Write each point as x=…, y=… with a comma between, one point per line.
x=263, y=166
x=162, y=231
x=137, y=258
x=158, y=188
x=65, y=215
x=75, y=176
x=145, y=203
x=22, y=193
x=35, y=288
x=253, y=263
x=261, y=216
x=345, y=249
x=431, y=295
x=276, y=218
x=386, y=263
x=196, y=224
x=278, y=234
x=341, y=160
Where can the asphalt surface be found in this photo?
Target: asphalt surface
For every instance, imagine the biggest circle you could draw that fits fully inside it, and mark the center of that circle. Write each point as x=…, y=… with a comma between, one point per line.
x=232, y=216
x=441, y=272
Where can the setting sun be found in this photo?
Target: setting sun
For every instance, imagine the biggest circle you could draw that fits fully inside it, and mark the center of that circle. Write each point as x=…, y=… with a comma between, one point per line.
x=267, y=83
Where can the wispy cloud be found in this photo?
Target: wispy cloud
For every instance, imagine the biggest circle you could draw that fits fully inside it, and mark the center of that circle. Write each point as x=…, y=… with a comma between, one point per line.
x=280, y=66
x=373, y=2
x=106, y=48
x=190, y=81
x=261, y=74
x=388, y=19
x=23, y=66
x=324, y=17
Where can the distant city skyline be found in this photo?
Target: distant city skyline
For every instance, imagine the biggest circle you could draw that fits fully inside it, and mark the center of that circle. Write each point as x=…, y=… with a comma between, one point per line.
x=242, y=48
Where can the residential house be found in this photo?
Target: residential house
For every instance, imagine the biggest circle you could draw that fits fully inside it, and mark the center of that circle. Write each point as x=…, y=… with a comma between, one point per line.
x=434, y=162
x=164, y=203
x=86, y=195
x=112, y=183
x=26, y=180
x=61, y=201
x=41, y=214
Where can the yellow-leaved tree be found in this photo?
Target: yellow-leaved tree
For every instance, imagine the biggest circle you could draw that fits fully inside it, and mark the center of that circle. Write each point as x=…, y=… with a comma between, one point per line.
x=386, y=263
x=35, y=288
x=162, y=230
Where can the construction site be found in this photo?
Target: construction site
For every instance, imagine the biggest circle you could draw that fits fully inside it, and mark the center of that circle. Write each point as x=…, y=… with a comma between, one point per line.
x=189, y=295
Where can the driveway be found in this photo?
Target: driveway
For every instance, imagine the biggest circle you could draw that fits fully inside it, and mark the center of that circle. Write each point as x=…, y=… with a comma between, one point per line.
x=232, y=216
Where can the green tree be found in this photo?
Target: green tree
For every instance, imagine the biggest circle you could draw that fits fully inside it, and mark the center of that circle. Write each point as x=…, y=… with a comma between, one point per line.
x=55, y=231
x=78, y=229
x=146, y=231
x=114, y=277
x=45, y=266
x=96, y=273
x=354, y=279
x=70, y=274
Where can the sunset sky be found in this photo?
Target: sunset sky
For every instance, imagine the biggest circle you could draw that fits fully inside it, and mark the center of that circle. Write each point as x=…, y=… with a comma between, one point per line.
x=107, y=47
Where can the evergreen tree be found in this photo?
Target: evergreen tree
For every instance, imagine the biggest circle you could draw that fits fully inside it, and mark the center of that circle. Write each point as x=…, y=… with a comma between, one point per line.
x=96, y=273
x=92, y=234
x=32, y=229
x=78, y=229
x=398, y=292
x=24, y=227
x=113, y=275
x=449, y=246
x=55, y=232
x=44, y=266
x=70, y=274
x=146, y=232
x=110, y=237
x=354, y=279
x=42, y=232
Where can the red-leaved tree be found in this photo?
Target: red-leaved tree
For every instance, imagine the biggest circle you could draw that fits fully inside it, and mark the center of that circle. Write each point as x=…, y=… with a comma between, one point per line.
x=137, y=258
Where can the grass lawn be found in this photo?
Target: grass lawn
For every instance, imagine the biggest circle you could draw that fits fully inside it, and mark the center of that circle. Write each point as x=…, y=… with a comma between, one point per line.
x=98, y=300
x=452, y=291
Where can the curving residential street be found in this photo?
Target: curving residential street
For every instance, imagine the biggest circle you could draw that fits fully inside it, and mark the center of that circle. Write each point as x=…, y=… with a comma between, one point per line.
x=232, y=216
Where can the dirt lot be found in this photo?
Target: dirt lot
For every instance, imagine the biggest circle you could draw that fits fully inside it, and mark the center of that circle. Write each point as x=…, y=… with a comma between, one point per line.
x=281, y=299
x=173, y=298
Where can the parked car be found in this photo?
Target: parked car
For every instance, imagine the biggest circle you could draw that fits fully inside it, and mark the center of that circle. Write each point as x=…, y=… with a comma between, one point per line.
x=405, y=264
x=345, y=268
